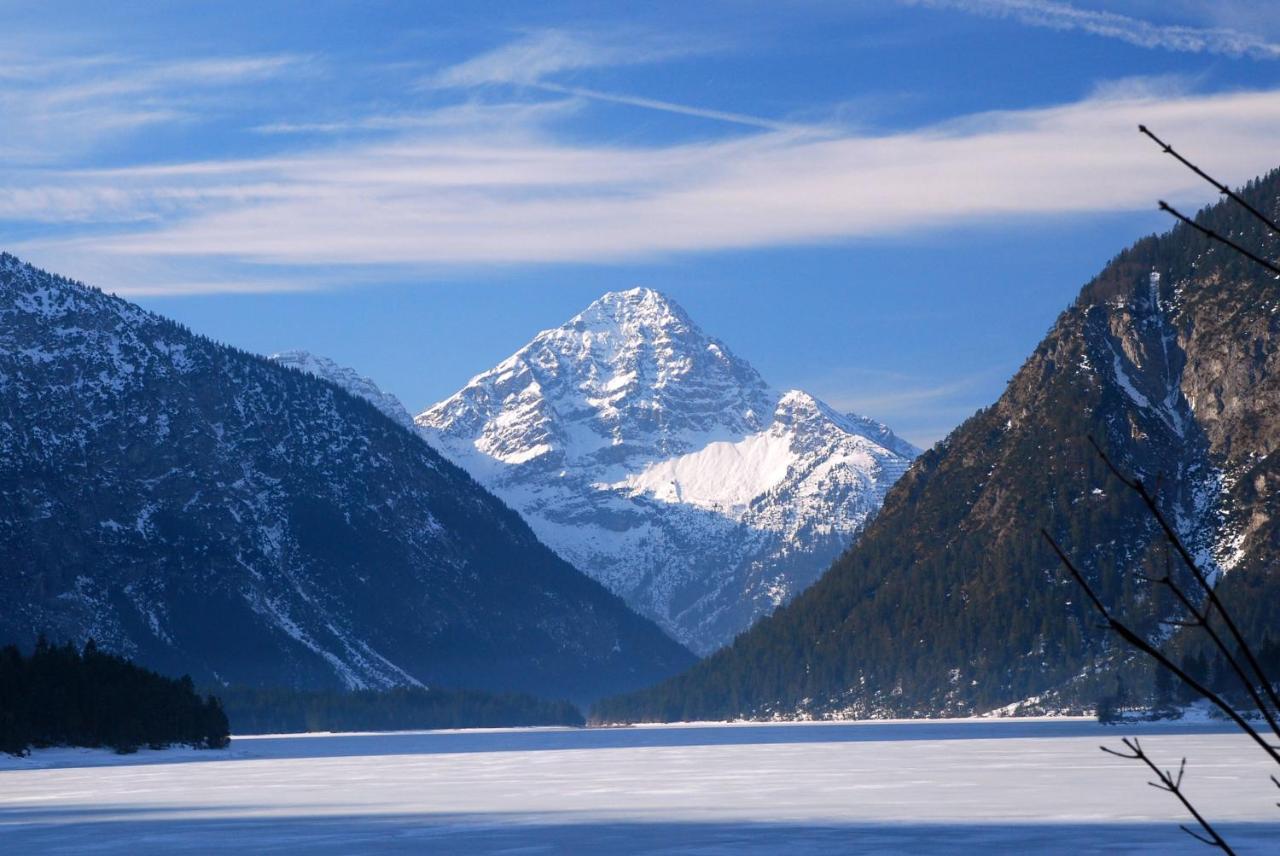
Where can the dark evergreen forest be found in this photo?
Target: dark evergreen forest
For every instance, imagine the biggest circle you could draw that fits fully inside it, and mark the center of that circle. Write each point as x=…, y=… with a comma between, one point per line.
x=61, y=696
x=283, y=711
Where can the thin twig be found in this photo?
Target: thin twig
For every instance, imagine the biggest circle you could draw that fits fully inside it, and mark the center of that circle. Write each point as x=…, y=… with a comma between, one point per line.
x=1166, y=781
x=1222, y=188
x=1214, y=236
x=1124, y=632
x=1210, y=591
x=1202, y=621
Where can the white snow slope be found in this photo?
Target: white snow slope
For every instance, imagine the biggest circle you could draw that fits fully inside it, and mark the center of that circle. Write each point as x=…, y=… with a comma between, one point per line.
x=1008, y=786
x=348, y=379
x=653, y=459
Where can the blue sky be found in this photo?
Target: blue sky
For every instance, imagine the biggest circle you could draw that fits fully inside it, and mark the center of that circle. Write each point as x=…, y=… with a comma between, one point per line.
x=884, y=203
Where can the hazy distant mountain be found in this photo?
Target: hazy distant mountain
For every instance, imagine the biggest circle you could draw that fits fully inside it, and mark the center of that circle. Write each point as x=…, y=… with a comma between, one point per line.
x=205, y=510
x=649, y=456
x=951, y=603
x=350, y=380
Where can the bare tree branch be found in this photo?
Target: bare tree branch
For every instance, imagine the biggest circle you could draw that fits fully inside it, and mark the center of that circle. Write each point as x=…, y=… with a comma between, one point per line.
x=1167, y=781
x=1210, y=591
x=1221, y=188
x=1202, y=621
x=1197, y=836
x=1127, y=634
x=1214, y=236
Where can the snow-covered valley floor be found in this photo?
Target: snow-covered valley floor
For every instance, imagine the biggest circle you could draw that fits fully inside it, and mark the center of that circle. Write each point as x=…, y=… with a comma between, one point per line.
x=1008, y=786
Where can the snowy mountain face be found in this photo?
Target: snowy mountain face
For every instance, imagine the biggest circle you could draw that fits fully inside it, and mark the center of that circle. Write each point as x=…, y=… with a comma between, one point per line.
x=207, y=511
x=649, y=456
x=349, y=380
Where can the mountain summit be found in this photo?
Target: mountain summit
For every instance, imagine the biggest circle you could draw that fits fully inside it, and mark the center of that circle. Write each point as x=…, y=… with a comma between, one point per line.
x=654, y=459
x=208, y=511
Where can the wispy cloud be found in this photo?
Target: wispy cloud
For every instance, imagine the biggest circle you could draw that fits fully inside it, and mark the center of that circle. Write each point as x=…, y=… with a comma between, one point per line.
x=1135, y=31
x=463, y=197
x=921, y=409
x=531, y=61
x=469, y=117
x=671, y=107
x=545, y=53
x=149, y=287
x=52, y=108
x=495, y=181
x=904, y=397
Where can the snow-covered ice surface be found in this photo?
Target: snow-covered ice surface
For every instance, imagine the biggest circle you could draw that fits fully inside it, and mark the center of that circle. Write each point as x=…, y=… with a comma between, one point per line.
x=1007, y=786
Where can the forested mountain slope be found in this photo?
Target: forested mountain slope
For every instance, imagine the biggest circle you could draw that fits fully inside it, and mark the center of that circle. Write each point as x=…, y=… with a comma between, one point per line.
x=950, y=603
x=206, y=511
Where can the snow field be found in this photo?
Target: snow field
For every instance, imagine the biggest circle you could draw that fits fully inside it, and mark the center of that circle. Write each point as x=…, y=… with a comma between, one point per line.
x=1003, y=786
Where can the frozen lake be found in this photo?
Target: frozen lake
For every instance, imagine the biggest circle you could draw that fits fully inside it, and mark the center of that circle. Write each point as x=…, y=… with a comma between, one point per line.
x=906, y=787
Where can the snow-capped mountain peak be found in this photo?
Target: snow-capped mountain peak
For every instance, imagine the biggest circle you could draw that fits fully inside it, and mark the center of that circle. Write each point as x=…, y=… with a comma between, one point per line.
x=635, y=308
x=649, y=455
x=631, y=377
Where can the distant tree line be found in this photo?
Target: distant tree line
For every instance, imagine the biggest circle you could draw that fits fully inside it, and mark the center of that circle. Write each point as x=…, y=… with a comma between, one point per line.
x=1162, y=696
x=268, y=711
x=61, y=696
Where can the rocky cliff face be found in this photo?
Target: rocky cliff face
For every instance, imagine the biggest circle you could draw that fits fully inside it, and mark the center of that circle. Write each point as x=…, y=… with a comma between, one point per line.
x=207, y=511
x=950, y=603
x=654, y=459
